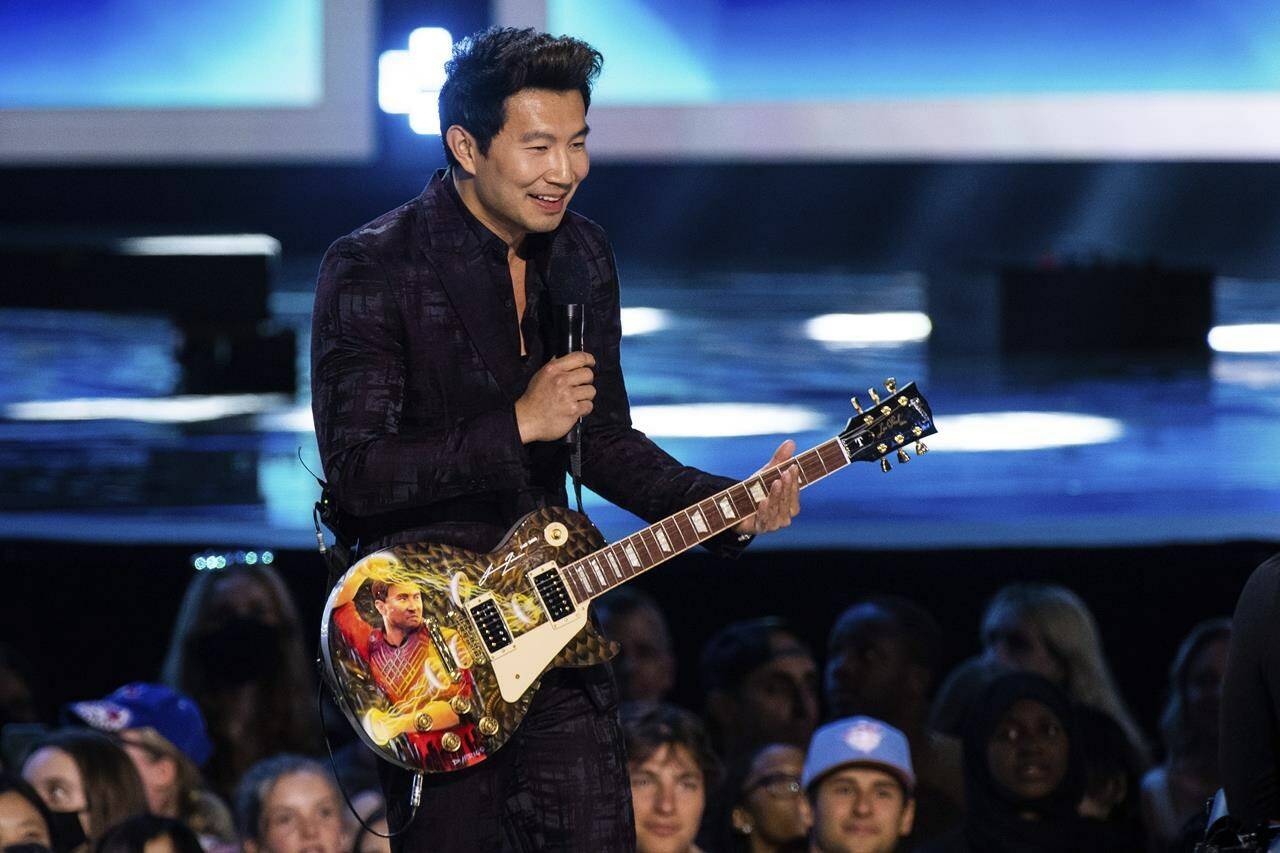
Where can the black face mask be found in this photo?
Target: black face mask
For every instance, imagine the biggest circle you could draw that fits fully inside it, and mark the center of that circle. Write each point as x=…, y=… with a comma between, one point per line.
x=241, y=650
x=67, y=831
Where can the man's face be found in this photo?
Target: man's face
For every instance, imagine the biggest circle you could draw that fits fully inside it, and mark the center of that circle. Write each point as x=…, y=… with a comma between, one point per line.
x=860, y=810
x=646, y=667
x=534, y=164
x=1028, y=751
x=402, y=609
x=669, y=794
x=870, y=670
x=777, y=702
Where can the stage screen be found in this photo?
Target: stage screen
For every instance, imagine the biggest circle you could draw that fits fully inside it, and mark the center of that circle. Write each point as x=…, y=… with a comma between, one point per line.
x=1017, y=79
x=154, y=80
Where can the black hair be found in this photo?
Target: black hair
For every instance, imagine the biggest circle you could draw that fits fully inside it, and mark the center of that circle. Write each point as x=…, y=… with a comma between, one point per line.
x=261, y=778
x=737, y=649
x=132, y=835
x=648, y=727
x=492, y=65
x=915, y=625
x=15, y=784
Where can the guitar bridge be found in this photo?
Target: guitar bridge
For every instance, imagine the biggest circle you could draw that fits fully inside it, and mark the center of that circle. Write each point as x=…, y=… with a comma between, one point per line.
x=446, y=652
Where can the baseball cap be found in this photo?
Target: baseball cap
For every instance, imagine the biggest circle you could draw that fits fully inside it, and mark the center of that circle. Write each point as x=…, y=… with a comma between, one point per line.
x=860, y=741
x=139, y=705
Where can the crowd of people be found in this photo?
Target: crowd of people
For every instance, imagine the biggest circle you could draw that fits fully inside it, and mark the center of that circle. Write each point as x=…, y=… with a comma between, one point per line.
x=1027, y=746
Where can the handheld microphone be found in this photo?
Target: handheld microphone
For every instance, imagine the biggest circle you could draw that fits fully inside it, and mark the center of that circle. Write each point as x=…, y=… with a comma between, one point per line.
x=568, y=286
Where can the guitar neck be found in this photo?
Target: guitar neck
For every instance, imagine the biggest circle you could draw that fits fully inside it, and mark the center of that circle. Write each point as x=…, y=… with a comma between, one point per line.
x=619, y=562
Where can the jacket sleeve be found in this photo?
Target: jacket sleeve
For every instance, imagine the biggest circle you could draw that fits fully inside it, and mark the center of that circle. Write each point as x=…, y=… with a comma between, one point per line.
x=619, y=462
x=358, y=370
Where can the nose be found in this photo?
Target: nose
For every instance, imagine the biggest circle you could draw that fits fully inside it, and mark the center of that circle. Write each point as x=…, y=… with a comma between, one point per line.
x=560, y=169
x=665, y=800
x=862, y=805
x=309, y=827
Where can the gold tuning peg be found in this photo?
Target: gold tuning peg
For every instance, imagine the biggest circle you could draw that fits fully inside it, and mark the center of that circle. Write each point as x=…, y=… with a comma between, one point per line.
x=921, y=449
x=891, y=385
x=902, y=456
x=884, y=465
x=875, y=398
x=856, y=405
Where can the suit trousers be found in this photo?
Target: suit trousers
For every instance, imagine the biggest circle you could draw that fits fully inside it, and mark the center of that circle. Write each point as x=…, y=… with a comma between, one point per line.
x=560, y=783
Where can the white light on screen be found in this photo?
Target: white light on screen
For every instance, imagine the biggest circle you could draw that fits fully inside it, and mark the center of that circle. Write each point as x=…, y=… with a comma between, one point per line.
x=409, y=81
x=1246, y=337
x=886, y=328
x=200, y=244
x=643, y=321
x=172, y=410
x=704, y=420
x=985, y=432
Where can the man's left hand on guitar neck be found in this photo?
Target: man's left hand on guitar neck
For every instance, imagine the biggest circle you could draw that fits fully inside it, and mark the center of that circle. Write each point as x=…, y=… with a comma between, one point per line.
x=783, y=501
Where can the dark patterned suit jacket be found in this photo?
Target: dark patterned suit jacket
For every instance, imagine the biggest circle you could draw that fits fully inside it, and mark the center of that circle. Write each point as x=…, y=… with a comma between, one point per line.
x=415, y=372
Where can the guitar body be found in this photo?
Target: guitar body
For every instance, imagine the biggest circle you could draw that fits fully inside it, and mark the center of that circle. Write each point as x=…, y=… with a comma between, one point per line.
x=453, y=689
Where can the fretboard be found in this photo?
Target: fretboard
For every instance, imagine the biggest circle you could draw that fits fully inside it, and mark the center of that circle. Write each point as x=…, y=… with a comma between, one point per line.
x=623, y=560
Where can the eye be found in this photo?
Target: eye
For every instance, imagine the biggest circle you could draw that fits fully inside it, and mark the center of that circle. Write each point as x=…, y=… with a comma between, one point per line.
x=578, y=146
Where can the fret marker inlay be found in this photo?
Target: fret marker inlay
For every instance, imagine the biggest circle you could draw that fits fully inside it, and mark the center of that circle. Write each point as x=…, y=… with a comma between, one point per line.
x=757, y=491
x=726, y=508
x=662, y=539
x=595, y=565
x=631, y=555
x=699, y=523
x=613, y=563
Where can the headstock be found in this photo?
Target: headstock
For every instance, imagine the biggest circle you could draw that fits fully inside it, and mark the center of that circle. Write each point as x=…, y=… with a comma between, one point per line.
x=888, y=424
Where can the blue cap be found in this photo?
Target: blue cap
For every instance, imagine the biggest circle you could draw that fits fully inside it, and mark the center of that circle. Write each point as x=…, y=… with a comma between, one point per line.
x=156, y=706
x=860, y=741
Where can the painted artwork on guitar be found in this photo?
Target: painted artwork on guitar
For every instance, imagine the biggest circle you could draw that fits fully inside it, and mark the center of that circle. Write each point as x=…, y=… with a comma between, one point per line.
x=435, y=652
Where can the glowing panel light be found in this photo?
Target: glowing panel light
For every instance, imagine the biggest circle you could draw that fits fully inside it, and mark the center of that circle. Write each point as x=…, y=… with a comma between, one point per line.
x=887, y=328
x=409, y=81
x=643, y=321
x=705, y=420
x=996, y=431
x=200, y=244
x=1247, y=337
x=160, y=410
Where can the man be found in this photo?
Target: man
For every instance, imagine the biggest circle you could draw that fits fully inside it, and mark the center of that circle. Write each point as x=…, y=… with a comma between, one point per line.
x=439, y=410
x=881, y=658
x=672, y=767
x=859, y=779
x=406, y=666
x=761, y=686
x=646, y=666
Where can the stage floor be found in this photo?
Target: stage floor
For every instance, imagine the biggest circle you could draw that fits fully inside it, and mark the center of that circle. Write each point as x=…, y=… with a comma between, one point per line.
x=94, y=447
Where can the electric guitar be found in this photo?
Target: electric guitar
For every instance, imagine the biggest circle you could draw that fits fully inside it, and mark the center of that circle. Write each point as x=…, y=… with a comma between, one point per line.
x=435, y=652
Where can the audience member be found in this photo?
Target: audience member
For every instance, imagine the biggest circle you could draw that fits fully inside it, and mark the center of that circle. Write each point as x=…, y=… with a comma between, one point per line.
x=147, y=833
x=761, y=687
x=646, y=666
x=1111, y=779
x=1179, y=786
x=237, y=650
x=881, y=658
x=672, y=768
x=859, y=777
x=290, y=804
x=165, y=735
x=370, y=842
x=1024, y=774
x=760, y=806
x=24, y=818
x=88, y=782
x=1046, y=629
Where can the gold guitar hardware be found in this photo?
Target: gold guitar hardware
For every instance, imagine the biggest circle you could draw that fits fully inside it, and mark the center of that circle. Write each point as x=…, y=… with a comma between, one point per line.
x=882, y=448
x=423, y=722
x=903, y=457
x=488, y=726
x=556, y=534
x=856, y=405
x=891, y=385
x=900, y=438
x=460, y=705
x=921, y=449
x=875, y=398
x=451, y=742
x=885, y=466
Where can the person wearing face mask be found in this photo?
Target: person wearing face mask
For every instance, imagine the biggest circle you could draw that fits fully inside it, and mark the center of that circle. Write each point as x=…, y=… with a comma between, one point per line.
x=88, y=782
x=25, y=821
x=237, y=650
x=760, y=806
x=1024, y=775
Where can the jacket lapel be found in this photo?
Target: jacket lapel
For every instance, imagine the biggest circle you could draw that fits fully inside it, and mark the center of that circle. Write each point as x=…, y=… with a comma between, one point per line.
x=458, y=259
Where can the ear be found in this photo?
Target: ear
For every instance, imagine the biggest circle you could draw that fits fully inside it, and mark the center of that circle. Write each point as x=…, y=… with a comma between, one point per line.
x=741, y=820
x=908, y=818
x=464, y=148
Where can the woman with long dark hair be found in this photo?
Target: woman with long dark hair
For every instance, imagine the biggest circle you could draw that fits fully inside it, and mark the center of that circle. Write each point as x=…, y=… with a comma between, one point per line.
x=237, y=650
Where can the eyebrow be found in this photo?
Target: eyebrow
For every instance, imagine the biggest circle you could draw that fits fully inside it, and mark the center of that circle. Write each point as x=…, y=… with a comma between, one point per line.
x=535, y=135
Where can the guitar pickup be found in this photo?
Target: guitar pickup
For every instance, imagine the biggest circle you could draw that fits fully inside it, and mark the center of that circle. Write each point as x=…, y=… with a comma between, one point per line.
x=552, y=592
x=490, y=624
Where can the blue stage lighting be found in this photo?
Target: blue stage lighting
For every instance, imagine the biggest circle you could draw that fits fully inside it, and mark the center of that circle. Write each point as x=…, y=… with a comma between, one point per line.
x=409, y=81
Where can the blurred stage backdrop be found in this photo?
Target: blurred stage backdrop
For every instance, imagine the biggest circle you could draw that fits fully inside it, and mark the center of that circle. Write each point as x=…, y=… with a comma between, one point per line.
x=1061, y=222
